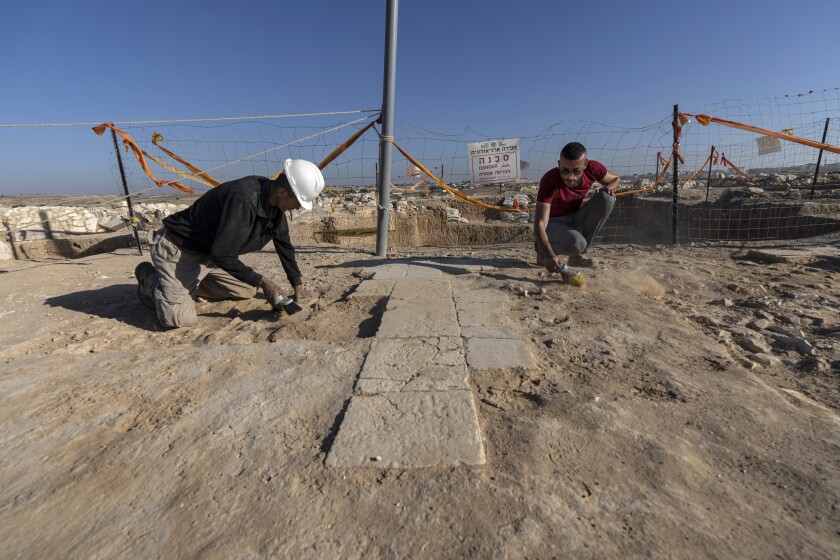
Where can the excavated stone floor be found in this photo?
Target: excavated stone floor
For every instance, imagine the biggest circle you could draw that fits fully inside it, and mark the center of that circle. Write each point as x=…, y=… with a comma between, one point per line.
x=412, y=405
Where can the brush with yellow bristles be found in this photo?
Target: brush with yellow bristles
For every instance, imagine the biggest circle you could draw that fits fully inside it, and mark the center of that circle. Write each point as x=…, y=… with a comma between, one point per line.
x=572, y=276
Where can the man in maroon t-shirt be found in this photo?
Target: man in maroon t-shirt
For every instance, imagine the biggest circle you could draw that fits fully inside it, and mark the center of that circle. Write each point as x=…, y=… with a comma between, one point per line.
x=563, y=224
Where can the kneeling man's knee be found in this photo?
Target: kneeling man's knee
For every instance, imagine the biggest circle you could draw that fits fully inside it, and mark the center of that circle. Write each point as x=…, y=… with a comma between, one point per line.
x=177, y=315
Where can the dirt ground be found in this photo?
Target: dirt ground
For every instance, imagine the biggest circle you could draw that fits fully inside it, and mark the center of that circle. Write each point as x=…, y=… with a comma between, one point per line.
x=646, y=430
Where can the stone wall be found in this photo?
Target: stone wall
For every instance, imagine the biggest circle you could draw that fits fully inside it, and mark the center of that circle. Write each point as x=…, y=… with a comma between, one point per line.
x=40, y=231
x=28, y=223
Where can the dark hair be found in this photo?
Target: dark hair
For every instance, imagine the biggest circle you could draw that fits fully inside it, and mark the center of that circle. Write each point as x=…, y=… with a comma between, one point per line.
x=573, y=151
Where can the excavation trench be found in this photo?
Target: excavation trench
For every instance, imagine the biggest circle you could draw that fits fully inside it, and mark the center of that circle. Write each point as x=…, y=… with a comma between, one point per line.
x=638, y=220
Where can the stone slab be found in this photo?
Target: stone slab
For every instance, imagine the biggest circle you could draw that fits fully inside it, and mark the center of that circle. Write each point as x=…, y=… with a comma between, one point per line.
x=489, y=331
x=386, y=271
x=419, y=319
x=498, y=353
x=802, y=255
x=416, y=364
x=6, y=251
x=436, y=378
x=479, y=296
x=488, y=316
x=409, y=430
x=422, y=289
x=781, y=256
x=373, y=289
x=452, y=266
x=398, y=359
x=378, y=386
x=390, y=272
x=421, y=271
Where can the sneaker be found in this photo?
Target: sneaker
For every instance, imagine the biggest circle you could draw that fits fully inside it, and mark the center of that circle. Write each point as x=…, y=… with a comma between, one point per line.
x=582, y=261
x=141, y=273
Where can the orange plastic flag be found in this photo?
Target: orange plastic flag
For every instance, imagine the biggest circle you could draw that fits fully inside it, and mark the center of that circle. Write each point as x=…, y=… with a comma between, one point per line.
x=787, y=135
x=138, y=153
x=157, y=138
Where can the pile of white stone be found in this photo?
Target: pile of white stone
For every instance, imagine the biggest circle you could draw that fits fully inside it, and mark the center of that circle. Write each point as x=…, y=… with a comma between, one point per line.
x=453, y=216
x=27, y=223
x=523, y=215
x=795, y=179
x=351, y=200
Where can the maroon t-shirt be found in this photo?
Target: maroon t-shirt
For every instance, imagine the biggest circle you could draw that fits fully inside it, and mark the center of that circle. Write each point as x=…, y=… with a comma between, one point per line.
x=565, y=200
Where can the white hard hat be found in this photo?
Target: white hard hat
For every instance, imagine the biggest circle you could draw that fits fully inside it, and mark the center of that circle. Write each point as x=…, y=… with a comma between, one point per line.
x=306, y=180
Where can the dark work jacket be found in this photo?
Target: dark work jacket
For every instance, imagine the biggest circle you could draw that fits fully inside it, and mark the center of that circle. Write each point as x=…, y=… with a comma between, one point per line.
x=231, y=220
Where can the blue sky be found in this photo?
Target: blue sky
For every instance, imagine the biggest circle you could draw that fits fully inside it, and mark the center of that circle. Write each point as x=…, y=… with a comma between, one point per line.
x=501, y=68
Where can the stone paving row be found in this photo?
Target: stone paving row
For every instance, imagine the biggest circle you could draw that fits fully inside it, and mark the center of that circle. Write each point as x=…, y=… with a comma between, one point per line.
x=490, y=344
x=412, y=405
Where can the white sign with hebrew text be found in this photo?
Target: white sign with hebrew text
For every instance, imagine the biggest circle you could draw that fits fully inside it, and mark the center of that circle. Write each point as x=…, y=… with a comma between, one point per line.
x=494, y=161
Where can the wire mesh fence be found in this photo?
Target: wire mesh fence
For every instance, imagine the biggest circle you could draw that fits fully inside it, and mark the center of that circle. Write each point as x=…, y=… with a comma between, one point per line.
x=732, y=184
x=230, y=149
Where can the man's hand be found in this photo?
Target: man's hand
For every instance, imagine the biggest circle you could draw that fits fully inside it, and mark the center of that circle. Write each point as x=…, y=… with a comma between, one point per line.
x=270, y=289
x=611, y=183
x=300, y=292
x=553, y=264
x=611, y=187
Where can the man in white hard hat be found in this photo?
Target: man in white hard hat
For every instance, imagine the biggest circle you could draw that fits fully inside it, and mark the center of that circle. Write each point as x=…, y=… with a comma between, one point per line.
x=196, y=253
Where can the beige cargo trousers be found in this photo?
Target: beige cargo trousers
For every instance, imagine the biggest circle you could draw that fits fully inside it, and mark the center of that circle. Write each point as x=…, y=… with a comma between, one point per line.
x=182, y=276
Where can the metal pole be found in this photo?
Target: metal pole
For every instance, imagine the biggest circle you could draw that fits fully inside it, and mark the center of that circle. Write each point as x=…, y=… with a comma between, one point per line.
x=655, y=177
x=675, y=201
x=709, y=178
x=386, y=140
x=131, y=218
x=819, y=160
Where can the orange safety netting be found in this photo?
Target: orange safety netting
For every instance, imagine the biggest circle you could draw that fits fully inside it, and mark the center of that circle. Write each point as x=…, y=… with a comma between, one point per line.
x=139, y=154
x=655, y=184
x=712, y=154
x=197, y=174
x=787, y=135
x=203, y=177
x=725, y=162
x=456, y=193
x=461, y=196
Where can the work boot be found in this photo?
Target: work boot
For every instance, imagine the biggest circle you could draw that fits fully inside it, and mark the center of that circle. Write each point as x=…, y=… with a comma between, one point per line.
x=141, y=273
x=582, y=261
